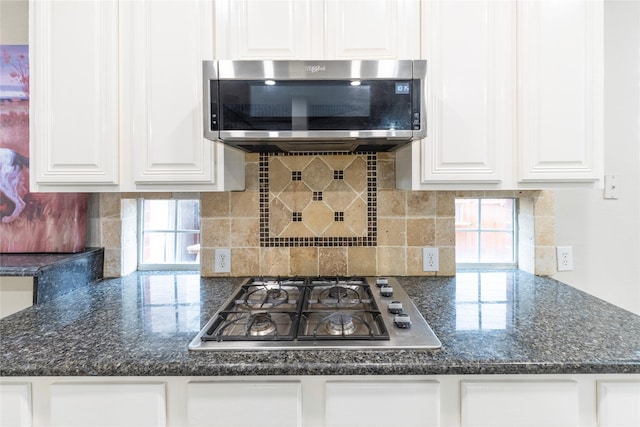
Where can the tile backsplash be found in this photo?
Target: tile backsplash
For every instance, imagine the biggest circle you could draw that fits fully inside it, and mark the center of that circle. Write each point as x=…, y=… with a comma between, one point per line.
x=337, y=214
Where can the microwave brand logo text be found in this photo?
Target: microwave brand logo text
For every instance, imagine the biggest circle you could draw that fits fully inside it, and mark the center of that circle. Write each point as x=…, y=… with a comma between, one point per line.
x=314, y=68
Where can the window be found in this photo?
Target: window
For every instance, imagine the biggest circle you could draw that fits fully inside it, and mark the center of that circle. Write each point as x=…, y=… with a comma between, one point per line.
x=485, y=232
x=169, y=234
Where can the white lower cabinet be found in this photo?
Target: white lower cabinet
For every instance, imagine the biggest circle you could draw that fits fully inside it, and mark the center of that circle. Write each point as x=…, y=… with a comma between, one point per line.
x=383, y=403
x=618, y=403
x=15, y=405
x=519, y=403
x=244, y=404
x=108, y=405
x=582, y=400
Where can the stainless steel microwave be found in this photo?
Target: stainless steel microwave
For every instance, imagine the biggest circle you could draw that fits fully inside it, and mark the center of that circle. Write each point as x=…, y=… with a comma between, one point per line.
x=316, y=106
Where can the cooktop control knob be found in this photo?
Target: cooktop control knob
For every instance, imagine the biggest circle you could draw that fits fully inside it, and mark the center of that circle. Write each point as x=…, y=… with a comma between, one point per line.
x=380, y=281
x=402, y=320
x=395, y=307
x=386, y=291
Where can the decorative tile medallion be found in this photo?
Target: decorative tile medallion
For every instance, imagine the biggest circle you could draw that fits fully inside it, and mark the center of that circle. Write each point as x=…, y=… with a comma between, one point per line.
x=315, y=199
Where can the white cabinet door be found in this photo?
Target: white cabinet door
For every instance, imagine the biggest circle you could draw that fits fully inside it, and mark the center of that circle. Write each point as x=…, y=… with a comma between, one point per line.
x=519, y=403
x=372, y=29
x=560, y=90
x=470, y=52
x=311, y=29
x=387, y=403
x=618, y=403
x=108, y=405
x=269, y=29
x=244, y=404
x=74, y=94
x=15, y=405
x=162, y=98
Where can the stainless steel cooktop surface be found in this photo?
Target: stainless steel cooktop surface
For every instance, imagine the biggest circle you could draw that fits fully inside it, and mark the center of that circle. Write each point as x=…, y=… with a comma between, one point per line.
x=296, y=313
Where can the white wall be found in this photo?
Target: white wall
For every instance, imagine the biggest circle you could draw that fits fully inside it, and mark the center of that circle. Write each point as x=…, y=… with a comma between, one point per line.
x=605, y=234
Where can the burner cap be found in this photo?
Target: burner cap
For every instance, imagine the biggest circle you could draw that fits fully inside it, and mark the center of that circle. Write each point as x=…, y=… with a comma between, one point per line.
x=260, y=324
x=340, y=324
x=338, y=292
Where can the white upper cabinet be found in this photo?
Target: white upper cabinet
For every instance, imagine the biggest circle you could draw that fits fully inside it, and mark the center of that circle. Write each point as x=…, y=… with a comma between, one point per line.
x=514, y=96
x=560, y=90
x=311, y=29
x=161, y=83
x=470, y=49
x=74, y=94
x=268, y=29
x=117, y=98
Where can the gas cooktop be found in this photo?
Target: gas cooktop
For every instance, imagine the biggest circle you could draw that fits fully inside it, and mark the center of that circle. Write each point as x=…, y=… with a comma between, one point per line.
x=296, y=313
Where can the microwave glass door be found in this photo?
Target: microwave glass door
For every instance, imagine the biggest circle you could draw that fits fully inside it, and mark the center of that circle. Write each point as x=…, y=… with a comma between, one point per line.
x=291, y=105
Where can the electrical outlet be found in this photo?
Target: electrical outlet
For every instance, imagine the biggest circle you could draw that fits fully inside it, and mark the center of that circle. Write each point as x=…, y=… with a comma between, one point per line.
x=430, y=259
x=222, y=260
x=565, y=258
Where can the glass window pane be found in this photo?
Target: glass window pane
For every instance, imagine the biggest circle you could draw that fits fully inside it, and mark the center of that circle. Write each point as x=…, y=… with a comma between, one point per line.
x=158, y=248
x=159, y=214
x=497, y=214
x=466, y=214
x=188, y=215
x=496, y=247
x=187, y=247
x=466, y=246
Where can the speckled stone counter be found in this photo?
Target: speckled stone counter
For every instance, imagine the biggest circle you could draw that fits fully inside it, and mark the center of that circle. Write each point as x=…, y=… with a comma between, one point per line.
x=55, y=274
x=489, y=323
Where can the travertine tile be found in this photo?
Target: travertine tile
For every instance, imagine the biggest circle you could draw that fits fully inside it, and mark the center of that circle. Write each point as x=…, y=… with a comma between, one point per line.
x=338, y=195
x=111, y=233
x=447, y=261
x=332, y=261
x=251, y=176
x=317, y=174
x=279, y=217
x=356, y=217
x=421, y=231
x=421, y=203
x=214, y=204
x=361, y=261
x=445, y=231
x=355, y=174
x=545, y=234
x=545, y=260
x=543, y=203
x=215, y=232
x=245, y=204
x=245, y=262
x=392, y=231
x=109, y=205
x=386, y=174
x=296, y=196
x=274, y=261
x=317, y=217
x=112, y=263
x=445, y=203
x=279, y=175
x=304, y=261
x=207, y=262
x=245, y=232
x=392, y=261
x=392, y=203
x=414, y=262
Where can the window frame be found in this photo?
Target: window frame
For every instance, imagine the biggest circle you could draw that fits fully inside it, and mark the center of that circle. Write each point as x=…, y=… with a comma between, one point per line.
x=479, y=230
x=141, y=266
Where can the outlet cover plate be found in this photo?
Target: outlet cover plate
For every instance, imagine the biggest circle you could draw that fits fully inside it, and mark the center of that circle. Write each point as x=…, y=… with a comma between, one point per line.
x=565, y=258
x=430, y=259
x=222, y=260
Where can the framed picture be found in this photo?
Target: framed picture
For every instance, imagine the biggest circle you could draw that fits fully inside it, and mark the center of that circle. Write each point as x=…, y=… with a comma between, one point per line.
x=29, y=222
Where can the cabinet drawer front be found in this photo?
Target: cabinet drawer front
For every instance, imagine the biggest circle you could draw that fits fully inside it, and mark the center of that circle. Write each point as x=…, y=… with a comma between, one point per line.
x=242, y=403
x=382, y=403
x=519, y=403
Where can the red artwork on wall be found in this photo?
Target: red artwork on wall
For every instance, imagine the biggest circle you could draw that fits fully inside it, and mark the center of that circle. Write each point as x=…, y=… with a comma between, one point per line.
x=29, y=222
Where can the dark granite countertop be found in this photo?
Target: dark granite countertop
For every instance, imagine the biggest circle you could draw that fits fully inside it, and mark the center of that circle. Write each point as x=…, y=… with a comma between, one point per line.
x=506, y=322
x=32, y=264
